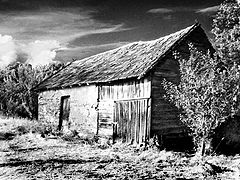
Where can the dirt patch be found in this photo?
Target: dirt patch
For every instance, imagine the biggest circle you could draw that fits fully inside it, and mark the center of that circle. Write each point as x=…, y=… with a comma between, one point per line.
x=30, y=156
x=80, y=161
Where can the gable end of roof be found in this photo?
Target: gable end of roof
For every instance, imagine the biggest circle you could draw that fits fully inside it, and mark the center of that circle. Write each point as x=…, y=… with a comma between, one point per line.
x=133, y=60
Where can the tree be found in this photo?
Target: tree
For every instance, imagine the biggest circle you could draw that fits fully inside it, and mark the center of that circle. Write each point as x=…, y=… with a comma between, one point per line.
x=226, y=30
x=17, y=80
x=206, y=94
x=209, y=89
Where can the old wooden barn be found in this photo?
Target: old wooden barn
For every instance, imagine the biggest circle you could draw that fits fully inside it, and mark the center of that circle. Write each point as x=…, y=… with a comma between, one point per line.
x=118, y=93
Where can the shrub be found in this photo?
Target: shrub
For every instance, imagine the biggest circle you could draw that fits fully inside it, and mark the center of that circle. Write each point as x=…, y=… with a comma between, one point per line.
x=206, y=95
x=226, y=30
x=17, y=81
x=20, y=126
x=16, y=126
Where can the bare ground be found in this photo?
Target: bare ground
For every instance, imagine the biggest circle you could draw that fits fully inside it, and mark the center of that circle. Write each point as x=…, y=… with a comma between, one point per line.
x=30, y=156
x=59, y=159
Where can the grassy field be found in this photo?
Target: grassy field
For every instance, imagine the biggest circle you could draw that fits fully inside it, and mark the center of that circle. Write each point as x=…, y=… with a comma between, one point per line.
x=26, y=154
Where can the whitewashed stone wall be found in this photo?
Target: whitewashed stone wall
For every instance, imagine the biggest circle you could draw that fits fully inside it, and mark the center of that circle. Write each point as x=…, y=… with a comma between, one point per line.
x=83, y=102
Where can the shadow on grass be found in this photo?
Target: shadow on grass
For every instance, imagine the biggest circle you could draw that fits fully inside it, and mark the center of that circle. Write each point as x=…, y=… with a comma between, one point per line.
x=6, y=136
x=51, y=166
x=25, y=149
x=51, y=161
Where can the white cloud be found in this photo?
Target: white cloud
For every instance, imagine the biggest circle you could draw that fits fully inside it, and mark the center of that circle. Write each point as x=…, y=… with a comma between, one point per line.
x=208, y=10
x=8, y=50
x=171, y=10
x=41, y=52
x=36, y=36
x=160, y=11
x=61, y=24
x=112, y=28
x=86, y=51
x=35, y=53
x=168, y=17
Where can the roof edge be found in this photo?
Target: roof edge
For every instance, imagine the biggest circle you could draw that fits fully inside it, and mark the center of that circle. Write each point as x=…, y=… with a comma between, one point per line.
x=194, y=26
x=142, y=75
x=86, y=83
x=35, y=87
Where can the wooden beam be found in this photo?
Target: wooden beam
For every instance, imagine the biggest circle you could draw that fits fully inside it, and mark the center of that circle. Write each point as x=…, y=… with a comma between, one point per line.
x=131, y=99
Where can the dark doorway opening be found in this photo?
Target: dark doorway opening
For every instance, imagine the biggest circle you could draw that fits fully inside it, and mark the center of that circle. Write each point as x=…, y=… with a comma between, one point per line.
x=64, y=110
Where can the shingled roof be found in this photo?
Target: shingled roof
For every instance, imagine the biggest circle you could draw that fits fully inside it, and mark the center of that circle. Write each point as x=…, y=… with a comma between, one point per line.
x=133, y=60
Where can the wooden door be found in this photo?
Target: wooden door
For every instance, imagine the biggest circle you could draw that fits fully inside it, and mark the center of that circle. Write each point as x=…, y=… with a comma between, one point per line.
x=132, y=120
x=64, y=110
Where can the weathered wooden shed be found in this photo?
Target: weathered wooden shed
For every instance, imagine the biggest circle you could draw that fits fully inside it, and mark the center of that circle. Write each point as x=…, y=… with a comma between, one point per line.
x=119, y=93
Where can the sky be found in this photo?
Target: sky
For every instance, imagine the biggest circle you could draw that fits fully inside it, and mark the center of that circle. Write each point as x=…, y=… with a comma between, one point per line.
x=43, y=31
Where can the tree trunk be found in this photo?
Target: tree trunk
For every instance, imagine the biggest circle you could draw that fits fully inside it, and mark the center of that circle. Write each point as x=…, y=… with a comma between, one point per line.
x=203, y=147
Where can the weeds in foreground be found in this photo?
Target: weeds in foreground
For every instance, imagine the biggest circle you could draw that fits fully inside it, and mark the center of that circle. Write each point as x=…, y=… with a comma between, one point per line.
x=29, y=155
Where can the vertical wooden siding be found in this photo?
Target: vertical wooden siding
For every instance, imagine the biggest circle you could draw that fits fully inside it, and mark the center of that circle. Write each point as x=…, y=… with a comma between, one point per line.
x=125, y=90
x=165, y=118
x=119, y=91
x=132, y=120
x=164, y=114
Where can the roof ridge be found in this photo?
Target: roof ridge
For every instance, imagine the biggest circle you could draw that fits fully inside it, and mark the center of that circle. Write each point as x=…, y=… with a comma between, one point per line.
x=136, y=42
x=194, y=26
x=132, y=60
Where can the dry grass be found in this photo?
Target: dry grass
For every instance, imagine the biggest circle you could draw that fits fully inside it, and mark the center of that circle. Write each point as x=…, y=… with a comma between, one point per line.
x=11, y=125
x=30, y=156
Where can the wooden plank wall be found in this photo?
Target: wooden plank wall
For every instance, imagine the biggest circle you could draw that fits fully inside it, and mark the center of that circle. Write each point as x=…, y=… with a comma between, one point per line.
x=164, y=115
x=125, y=90
x=165, y=118
x=118, y=91
x=132, y=120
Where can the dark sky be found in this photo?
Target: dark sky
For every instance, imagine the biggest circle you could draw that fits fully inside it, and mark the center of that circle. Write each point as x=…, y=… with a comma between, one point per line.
x=39, y=31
